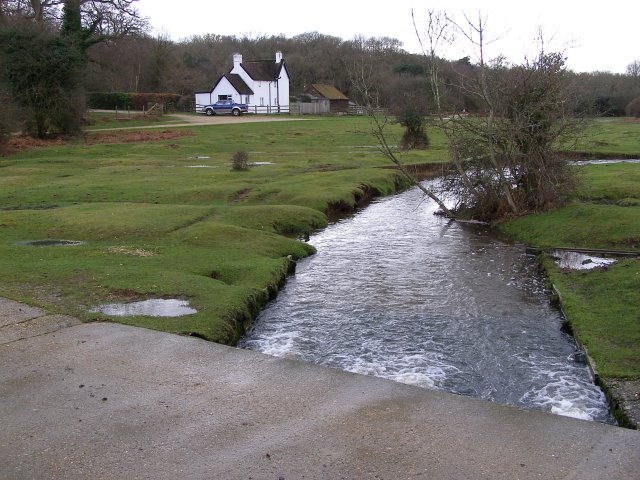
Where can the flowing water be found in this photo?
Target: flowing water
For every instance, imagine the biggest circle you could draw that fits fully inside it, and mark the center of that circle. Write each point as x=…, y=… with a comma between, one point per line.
x=400, y=293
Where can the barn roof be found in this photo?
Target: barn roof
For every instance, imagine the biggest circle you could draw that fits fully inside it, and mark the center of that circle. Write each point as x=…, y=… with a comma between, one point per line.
x=329, y=91
x=263, y=70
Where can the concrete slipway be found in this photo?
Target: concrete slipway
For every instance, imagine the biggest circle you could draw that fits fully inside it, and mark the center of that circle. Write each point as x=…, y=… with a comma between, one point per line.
x=110, y=401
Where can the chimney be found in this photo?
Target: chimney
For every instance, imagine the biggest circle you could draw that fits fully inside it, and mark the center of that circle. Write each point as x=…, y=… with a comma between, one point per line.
x=237, y=60
x=278, y=56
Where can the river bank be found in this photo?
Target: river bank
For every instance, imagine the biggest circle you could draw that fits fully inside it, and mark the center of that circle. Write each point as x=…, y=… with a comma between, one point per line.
x=622, y=394
x=600, y=304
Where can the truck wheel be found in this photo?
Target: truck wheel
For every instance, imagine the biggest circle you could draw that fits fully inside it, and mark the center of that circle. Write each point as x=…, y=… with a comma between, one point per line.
x=209, y=111
x=236, y=112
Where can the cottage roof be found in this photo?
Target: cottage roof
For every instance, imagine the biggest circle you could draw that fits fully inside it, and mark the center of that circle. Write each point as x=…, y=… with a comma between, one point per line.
x=263, y=70
x=329, y=91
x=238, y=83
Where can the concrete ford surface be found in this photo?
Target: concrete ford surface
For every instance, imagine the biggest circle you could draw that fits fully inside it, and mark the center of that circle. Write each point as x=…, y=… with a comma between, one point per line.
x=107, y=401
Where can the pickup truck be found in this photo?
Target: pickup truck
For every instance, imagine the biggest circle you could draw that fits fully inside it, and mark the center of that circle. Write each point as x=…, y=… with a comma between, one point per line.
x=225, y=106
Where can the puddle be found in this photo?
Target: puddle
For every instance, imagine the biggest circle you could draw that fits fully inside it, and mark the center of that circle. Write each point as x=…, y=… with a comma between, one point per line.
x=604, y=162
x=200, y=166
x=30, y=207
x=260, y=163
x=148, y=308
x=51, y=243
x=200, y=157
x=579, y=261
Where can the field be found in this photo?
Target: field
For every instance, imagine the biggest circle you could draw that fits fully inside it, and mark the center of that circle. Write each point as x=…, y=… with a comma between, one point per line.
x=162, y=215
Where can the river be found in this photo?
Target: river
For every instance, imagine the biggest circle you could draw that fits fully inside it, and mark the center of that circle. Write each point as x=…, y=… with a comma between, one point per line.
x=400, y=293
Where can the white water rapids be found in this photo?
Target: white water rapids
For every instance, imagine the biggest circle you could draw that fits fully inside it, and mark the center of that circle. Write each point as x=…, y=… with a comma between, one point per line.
x=399, y=293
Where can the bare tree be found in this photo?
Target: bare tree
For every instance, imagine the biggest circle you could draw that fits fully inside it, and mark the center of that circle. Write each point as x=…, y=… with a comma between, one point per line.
x=633, y=69
x=98, y=20
x=503, y=160
x=363, y=79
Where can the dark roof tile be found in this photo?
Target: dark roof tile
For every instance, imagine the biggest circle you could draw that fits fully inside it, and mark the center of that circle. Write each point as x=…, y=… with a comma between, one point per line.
x=263, y=70
x=238, y=83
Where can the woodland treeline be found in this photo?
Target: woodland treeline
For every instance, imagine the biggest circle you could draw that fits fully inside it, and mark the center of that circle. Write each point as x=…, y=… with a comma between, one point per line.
x=54, y=52
x=158, y=64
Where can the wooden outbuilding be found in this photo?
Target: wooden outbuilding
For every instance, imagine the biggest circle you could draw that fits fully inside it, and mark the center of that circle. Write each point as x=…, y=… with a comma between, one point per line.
x=338, y=101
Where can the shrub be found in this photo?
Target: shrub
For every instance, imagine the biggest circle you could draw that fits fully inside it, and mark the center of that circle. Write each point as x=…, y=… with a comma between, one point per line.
x=42, y=74
x=5, y=120
x=633, y=108
x=240, y=161
x=415, y=136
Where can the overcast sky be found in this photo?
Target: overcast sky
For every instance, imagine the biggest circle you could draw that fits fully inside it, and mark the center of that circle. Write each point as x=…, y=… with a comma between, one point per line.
x=595, y=35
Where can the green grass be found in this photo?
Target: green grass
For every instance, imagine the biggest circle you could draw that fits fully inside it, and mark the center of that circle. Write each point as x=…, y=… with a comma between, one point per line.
x=604, y=214
x=604, y=309
x=157, y=223
x=611, y=183
x=580, y=225
x=610, y=137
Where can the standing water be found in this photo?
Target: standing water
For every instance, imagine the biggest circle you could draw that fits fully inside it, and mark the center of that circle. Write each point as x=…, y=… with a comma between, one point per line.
x=400, y=293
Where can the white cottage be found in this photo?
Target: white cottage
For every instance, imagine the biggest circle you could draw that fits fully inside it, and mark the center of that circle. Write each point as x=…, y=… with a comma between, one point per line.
x=262, y=84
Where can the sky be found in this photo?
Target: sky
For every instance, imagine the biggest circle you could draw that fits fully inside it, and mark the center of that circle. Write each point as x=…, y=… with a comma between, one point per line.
x=594, y=35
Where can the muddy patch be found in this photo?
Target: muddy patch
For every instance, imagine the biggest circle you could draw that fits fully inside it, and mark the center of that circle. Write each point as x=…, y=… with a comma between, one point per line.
x=130, y=251
x=147, y=308
x=241, y=195
x=21, y=143
x=50, y=243
x=134, y=137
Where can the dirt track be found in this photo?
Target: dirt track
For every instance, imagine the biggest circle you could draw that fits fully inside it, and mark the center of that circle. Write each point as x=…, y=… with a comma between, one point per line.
x=188, y=120
x=223, y=119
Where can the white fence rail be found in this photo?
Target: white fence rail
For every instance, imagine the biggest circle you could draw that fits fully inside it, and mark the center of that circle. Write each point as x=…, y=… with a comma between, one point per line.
x=315, y=108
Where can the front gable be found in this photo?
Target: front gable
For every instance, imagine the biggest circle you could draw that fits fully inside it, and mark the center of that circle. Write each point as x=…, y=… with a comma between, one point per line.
x=237, y=83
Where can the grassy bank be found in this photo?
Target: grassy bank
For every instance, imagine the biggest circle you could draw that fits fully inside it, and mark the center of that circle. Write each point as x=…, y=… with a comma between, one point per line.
x=603, y=304
x=163, y=215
